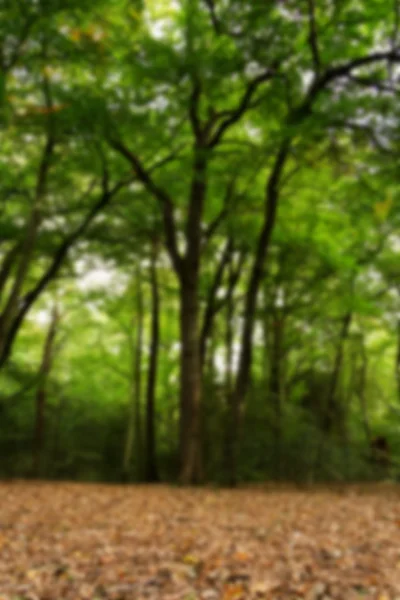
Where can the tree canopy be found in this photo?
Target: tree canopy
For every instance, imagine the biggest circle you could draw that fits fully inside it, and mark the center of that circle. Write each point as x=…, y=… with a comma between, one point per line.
x=198, y=239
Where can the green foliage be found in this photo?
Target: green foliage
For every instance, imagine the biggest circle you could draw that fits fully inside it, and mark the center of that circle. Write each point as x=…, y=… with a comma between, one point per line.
x=233, y=83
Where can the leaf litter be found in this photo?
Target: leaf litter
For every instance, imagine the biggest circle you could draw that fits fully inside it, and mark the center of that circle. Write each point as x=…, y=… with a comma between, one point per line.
x=98, y=542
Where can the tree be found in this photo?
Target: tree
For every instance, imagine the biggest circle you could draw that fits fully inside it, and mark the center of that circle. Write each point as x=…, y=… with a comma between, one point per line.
x=41, y=393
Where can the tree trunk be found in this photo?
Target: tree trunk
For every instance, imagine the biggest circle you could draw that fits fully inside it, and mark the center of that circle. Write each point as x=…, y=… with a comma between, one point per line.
x=9, y=260
x=56, y=443
x=245, y=359
x=361, y=389
x=190, y=389
x=191, y=463
x=327, y=421
x=41, y=395
x=24, y=260
x=9, y=330
x=151, y=470
x=275, y=389
x=134, y=430
x=347, y=397
x=24, y=257
x=398, y=360
x=212, y=306
x=209, y=413
x=229, y=337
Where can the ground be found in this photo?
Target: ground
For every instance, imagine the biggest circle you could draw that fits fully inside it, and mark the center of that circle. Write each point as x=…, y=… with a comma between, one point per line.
x=73, y=541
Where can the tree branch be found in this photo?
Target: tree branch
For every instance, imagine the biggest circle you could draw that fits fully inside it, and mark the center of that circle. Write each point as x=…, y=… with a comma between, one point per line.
x=194, y=102
x=212, y=294
x=332, y=73
x=216, y=23
x=29, y=298
x=7, y=264
x=16, y=53
x=313, y=37
x=369, y=82
x=368, y=131
x=161, y=196
x=216, y=222
x=234, y=115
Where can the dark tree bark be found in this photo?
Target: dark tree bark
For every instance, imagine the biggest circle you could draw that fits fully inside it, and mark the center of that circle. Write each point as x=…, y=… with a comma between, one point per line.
x=229, y=337
x=212, y=306
x=190, y=388
x=7, y=264
x=330, y=401
x=41, y=395
x=243, y=375
x=151, y=469
x=361, y=390
x=138, y=381
x=207, y=136
x=233, y=278
x=57, y=428
x=349, y=387
x=24, y=257
x=322, y=79
x=134, y=429
x=10, y=327
x=191, y=470
x=276, y=387
x=334, y=380
x=397, y=366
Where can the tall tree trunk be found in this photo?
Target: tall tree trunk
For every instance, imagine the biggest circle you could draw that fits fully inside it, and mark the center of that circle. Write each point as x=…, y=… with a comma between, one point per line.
x=134, y=429
x=245, y=359
x=230, y=315
x=276, y=388
x=151, y=470
x=212, y=305
x=361, y=392
x=8, y=262
x=209, y=413
x=41, y=395
x=9, y=330
x=191, y=463
x=347, y=397
x=56, y=443
x=24, y=257
x=191, y=388
x=327, y=421
x=229, y=338
x=398, y=360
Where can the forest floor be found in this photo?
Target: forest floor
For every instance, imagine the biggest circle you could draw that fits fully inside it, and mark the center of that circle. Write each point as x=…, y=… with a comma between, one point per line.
x=72, y=541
